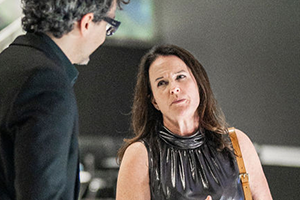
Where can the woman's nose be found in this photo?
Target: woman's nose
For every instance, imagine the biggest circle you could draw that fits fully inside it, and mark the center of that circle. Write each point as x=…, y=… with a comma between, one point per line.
x=175, y=90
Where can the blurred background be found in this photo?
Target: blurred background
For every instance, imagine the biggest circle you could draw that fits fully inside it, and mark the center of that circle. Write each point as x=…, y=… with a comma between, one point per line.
x=251, y=51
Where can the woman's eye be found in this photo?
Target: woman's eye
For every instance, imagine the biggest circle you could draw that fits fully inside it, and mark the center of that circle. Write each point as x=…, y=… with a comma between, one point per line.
x=180, y=76
x=160, y=83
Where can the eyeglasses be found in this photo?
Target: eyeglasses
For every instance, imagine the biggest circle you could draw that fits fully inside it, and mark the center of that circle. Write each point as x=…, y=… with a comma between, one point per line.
x=112, y=25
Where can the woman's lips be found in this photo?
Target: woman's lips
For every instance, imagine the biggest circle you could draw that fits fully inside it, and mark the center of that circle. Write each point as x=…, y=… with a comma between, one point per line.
x=178, y=101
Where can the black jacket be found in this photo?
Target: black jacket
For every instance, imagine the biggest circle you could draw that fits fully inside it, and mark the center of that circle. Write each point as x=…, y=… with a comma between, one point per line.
x=38, y=122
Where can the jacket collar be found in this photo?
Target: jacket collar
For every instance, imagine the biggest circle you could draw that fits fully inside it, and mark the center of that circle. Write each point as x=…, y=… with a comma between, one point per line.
x=45, y=44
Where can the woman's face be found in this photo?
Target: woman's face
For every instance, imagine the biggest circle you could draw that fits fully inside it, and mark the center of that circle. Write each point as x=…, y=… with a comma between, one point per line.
x=174, y=88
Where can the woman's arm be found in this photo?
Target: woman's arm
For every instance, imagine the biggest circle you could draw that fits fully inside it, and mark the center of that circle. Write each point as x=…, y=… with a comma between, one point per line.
x=258, y=182
x=133, y=178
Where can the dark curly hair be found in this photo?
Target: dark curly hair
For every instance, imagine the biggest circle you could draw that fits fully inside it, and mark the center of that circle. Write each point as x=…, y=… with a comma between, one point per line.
x=58, y=16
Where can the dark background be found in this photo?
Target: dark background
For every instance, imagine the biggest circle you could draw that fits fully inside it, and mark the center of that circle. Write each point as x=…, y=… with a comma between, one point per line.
x=250, y=50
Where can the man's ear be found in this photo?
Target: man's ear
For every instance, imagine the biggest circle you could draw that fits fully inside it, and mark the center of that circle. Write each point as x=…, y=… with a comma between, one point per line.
x=86, y=23
x=154, y=103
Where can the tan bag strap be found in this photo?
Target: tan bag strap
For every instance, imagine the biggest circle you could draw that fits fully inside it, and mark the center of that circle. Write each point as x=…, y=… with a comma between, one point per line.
x=244, y=176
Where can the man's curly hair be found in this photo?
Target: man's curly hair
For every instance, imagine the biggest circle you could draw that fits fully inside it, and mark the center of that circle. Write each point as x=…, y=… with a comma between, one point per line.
x=58, y=16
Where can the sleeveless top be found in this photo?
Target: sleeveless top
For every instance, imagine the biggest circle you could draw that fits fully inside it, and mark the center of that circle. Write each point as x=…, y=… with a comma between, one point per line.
x=188, y=168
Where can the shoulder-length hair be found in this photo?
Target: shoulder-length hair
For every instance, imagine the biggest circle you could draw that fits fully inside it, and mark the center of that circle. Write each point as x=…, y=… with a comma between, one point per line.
x=145, y=117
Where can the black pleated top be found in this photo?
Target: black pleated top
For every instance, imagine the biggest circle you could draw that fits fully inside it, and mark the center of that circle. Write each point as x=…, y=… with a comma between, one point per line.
x=188, y=168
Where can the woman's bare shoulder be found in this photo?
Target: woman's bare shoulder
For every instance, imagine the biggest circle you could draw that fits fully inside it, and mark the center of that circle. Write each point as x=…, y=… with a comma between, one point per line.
x=258, y=183
x=133, y=178
x=243, y=139
x=136, y=153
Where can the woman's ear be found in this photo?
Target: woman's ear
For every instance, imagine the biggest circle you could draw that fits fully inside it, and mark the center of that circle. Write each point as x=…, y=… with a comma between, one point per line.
x=154, y=103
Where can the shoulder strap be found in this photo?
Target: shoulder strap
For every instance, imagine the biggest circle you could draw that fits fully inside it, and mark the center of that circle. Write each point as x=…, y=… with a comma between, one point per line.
x=244, y=176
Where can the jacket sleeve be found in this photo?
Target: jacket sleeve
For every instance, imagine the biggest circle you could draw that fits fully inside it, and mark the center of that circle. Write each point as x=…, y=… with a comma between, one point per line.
x=43, y=120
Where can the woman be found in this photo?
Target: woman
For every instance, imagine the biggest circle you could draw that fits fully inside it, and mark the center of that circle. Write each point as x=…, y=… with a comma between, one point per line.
x=181, y=149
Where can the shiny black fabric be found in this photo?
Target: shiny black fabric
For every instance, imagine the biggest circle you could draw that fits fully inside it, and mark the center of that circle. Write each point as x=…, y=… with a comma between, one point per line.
x=188, y=168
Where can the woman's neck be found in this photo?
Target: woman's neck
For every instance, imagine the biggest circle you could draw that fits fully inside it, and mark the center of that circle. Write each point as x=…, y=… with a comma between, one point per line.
x=182, y=127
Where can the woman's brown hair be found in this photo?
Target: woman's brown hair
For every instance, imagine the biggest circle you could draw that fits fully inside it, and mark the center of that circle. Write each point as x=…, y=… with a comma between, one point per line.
x=145, y=117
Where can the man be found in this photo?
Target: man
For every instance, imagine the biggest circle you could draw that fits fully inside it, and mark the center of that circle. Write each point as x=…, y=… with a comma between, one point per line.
x=38, y=112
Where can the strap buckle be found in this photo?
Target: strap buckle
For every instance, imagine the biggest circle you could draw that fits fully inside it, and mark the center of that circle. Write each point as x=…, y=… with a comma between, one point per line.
x=245, y=178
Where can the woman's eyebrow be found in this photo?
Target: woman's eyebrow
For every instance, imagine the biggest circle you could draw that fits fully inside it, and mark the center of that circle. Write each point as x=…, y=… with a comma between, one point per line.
x=158, y=78
x=180, y=71
x=174, y=73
